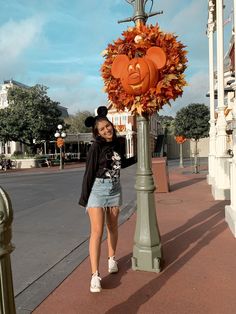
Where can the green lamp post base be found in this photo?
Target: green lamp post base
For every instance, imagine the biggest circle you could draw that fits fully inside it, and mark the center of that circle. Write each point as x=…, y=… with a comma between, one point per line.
x=151, y=263
x=147, y=250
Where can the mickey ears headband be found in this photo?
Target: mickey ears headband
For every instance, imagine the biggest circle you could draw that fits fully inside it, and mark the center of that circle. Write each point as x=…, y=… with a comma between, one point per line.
x=101, y=112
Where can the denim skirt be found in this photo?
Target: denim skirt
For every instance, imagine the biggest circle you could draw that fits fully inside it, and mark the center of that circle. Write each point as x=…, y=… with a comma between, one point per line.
x=105, y=193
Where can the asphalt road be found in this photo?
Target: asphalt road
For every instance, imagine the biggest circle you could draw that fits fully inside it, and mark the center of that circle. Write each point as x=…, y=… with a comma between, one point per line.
x=50, y=229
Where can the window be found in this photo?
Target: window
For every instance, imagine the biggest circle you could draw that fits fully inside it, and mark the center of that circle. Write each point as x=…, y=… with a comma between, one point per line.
x=116, y=120
x=8, y=148
x=2, y=148
x=123, y=120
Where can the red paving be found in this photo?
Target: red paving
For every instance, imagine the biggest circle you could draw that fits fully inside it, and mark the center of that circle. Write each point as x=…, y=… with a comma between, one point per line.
x=199, y=275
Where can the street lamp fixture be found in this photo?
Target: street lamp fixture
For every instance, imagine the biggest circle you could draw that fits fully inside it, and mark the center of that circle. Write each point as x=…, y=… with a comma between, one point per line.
x=60, y=135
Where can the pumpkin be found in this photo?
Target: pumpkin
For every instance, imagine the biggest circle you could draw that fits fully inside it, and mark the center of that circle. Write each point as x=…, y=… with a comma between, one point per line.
x=60, y=142
x=138, y=75
x=180, y=139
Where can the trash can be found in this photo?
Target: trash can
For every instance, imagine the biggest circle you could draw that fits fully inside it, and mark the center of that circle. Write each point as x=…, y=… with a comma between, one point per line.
x=160, y=174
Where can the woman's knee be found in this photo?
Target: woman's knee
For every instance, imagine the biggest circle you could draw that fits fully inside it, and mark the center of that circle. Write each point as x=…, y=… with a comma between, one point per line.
x=96, y=233
x=112, y=225
x=112, y=218
x=112, y=228
x=96, y=216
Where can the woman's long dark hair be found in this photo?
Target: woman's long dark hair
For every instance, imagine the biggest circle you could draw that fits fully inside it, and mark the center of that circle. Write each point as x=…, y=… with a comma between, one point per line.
x=95, y=127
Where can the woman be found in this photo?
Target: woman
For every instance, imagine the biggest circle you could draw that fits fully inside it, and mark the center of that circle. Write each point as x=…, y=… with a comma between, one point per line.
x=101, y=192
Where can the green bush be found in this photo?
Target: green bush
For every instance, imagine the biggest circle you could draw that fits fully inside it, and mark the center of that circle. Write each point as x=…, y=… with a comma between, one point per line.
x=17, y=153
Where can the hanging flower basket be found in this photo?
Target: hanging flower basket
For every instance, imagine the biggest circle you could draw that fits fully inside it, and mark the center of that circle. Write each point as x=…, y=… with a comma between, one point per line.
x=168, y=85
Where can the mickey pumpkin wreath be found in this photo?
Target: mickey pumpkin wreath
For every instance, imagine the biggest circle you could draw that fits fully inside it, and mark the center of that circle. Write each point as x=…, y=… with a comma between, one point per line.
x=144, y=70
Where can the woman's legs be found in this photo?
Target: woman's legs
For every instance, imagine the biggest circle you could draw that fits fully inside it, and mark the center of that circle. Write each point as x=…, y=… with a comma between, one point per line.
x=96, y=216
x=112, y=214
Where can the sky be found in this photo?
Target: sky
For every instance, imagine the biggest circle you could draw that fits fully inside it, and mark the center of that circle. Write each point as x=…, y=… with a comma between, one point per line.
x=58, y=43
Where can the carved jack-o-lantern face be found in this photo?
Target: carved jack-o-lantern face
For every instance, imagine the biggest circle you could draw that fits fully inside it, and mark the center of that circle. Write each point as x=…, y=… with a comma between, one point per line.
x=139, y=74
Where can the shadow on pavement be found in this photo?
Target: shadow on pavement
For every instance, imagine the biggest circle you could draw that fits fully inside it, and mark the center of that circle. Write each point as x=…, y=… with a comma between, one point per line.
x=183, y=184
x=180, y=245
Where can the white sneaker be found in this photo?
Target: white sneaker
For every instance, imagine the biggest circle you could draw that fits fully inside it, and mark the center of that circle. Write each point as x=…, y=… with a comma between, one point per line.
x=112, y=265
x=95, y=285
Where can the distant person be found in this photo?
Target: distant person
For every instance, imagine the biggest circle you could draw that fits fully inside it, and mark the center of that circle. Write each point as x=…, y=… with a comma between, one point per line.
x=101, y=192
x=48, y=162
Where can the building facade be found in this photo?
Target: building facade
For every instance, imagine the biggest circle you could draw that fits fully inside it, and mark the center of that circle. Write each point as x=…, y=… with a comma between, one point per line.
x=9, y=148
x=125, y=124
x=222, y=147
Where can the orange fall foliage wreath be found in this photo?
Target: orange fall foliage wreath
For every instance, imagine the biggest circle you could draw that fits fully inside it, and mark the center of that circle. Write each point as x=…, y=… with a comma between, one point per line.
x=135, y=43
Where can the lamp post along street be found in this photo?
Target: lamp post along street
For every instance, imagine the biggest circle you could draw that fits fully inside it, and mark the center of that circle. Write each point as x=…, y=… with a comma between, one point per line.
x=60, y=135
x=147, y=250
x=181, y=164
x=7, y=302
x=61, y=162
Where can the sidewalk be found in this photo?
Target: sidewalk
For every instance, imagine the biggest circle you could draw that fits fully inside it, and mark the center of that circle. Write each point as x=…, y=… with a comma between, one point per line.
x=199, y=275
x=72, y=165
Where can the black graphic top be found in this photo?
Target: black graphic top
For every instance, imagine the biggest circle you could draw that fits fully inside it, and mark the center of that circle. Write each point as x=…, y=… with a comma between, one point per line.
x=104, y=160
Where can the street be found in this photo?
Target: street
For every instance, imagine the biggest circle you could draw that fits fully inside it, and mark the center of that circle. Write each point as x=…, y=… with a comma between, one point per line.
x=50, y=229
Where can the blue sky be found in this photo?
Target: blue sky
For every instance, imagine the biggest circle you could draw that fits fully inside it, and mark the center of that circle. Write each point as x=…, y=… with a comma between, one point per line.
x=58, y=43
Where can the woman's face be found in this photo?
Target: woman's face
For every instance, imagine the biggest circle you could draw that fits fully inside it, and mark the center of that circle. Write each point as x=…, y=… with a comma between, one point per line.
x=105, y=130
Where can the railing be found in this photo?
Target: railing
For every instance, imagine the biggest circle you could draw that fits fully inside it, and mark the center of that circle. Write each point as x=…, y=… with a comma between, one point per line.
x=72, y=156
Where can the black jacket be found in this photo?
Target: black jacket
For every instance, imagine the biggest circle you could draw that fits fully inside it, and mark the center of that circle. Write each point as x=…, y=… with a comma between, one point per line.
x=104, y=160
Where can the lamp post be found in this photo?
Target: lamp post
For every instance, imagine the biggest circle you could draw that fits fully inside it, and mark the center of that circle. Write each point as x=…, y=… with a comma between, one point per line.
x=60, y=135
x=147, y=249
x=181, y=164
x=180, y=139
x=7, y=302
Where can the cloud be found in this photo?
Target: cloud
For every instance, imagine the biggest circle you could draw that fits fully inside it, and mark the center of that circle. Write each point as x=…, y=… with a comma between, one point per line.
x=15, y=39
x=71, y=60
x=195, y=92
x=75, y=91
x=58, y=81
x=92, y=59
x=57, y=45
x=194, y=11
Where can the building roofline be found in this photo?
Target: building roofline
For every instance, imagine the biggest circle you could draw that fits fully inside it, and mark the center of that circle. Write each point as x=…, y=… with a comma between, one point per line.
x=16, y=83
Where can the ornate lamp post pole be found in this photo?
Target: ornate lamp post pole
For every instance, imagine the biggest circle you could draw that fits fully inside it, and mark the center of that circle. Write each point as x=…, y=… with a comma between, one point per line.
x=60, y=135
x=131, y=76
x=180, y=140
x=181, y=164
x=147, y=251
x=7, y=303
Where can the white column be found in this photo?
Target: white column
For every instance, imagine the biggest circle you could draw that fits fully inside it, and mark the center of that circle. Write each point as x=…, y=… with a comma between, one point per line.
x=127, y=146
x=132, y=145
x=212, y=133
x=230, y=210
x=220, y=189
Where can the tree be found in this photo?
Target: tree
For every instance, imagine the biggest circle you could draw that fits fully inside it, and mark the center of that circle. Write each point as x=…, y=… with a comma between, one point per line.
x=30, y=118
x=167, y=123
x=192, y=122
x=76, y=122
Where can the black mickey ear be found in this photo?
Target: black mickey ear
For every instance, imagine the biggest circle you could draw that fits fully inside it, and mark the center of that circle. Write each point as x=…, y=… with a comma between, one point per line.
x=102, y=111
x=89, y=121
